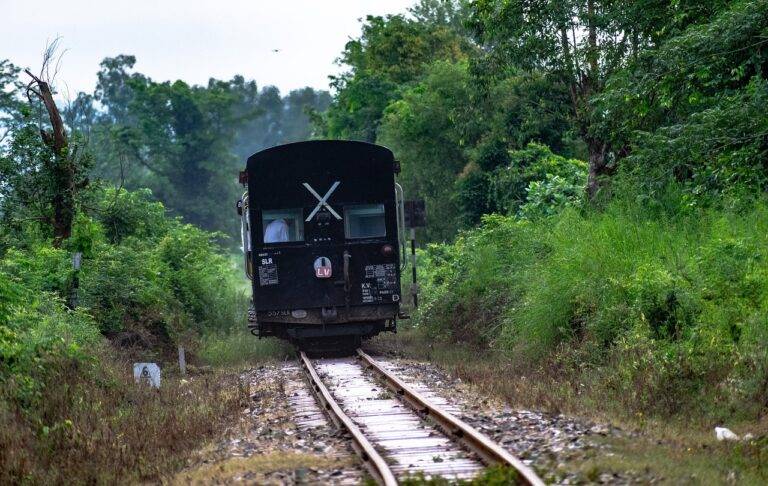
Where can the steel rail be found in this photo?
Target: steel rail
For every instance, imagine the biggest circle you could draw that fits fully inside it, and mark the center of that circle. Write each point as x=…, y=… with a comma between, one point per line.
x=489, y=451
x=376, y=465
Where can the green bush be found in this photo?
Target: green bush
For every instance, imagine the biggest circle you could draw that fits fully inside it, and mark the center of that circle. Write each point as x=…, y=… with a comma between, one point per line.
x=667, y=311
x=143, y=273
x=124, y=213
x=36, y=329
x=147, y=282
x=533, y=183
x=154, y=276
x=474, y=279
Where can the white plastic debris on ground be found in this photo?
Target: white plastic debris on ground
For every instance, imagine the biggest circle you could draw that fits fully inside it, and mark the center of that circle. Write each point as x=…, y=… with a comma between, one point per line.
x=721, y=433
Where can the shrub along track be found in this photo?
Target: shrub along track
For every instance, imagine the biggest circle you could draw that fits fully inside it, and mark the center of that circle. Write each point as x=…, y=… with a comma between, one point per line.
x=393, y=441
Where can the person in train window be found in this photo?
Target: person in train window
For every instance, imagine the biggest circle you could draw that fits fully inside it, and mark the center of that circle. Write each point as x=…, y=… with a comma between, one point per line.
x=276, y=231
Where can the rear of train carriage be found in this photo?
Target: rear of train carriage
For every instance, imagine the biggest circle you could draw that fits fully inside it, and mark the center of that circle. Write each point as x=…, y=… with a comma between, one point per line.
x=322, y=234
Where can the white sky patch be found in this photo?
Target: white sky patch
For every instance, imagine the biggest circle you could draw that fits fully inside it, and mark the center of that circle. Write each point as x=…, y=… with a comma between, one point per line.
x=190, y=40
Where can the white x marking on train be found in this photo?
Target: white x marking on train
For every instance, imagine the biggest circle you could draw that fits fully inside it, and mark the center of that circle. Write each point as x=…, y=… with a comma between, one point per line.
x=323, y=201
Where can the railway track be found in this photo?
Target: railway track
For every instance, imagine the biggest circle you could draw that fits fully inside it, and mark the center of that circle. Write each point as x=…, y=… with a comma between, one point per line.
x=399, y=433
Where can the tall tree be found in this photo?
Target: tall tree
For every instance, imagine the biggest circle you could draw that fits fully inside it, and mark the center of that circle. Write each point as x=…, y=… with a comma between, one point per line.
x=281, y=119
x=185, y=142
x=429, y=129
x=580, y=43
x=391, y=53
x=692, y=110
x=174, y=138
x=446, y=13
x=42, y=168
x=60, y=166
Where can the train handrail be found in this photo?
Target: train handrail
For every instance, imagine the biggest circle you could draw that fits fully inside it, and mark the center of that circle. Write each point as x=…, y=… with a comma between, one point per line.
x=347, y=281
x=245, y=236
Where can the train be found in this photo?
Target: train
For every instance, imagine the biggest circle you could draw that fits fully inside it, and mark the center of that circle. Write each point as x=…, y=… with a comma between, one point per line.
x=323, y=237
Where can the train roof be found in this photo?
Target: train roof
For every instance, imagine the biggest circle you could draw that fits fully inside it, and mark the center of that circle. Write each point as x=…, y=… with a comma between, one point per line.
x=313, y=151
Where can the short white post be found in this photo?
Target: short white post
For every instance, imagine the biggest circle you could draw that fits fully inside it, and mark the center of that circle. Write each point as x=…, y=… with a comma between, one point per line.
x=182, y=361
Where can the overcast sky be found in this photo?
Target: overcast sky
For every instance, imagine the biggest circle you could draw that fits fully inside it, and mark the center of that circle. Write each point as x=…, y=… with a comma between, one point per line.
x=188, y=39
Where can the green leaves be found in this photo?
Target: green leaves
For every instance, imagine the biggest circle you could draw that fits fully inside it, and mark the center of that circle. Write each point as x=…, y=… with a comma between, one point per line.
x=687, y=109
x=391, y=54
x=668, y=313
x=10, y=297
x=533, y=183
x=146, y=280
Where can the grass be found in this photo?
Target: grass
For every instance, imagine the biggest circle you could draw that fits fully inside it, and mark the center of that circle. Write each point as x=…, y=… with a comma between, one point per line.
x=96, y=426
x=665, y=313
x=240, y=348
x=257, y=466
x=682, y=457
x=69, y=409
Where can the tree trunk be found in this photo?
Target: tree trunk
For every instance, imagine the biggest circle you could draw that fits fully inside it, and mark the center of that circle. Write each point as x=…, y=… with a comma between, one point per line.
x=63, y=200
x=62, y=169
x=598, y=167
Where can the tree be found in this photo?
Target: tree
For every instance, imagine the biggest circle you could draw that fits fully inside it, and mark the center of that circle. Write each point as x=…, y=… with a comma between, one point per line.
x=280, y=119
x=298, y=105
x=43, y=169
x=446, y=13
x=450, y=138
x=181, y=137
x=579, y=43
x=176, y=139
x=691, y=111
x=430, y=130
x=186, y=143
x=10, y=104
x=60, y=165
x=391, y=53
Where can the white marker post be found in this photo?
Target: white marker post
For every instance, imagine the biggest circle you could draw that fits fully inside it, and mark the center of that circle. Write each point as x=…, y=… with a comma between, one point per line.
x=182, y=361
x=414, y=285
x=76, y=261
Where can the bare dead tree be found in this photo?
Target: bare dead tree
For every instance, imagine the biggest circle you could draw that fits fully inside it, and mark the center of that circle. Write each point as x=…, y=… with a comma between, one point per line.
x=61, y=167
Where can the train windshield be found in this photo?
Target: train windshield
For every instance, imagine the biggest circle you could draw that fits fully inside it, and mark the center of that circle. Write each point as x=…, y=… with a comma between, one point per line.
x=364, y=221
x=282, y=225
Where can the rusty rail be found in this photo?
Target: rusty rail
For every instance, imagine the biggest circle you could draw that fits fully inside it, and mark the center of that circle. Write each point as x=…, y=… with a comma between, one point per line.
x=490, y=452
x=376, y=465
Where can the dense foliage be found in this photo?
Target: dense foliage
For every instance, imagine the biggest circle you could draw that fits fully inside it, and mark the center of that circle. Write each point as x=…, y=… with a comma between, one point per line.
x=86, y=179
x=184, y=142
x=391, y=54
x=651, y=93
x=661, y=314
x=600, y=168
x=595, y=178
x=147, y=283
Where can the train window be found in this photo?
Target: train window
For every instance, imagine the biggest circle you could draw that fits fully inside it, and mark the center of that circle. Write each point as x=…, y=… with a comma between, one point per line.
x=282, y=225
x=364, y=221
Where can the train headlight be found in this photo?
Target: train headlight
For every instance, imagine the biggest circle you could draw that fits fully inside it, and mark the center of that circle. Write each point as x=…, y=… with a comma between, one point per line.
x=387, y=250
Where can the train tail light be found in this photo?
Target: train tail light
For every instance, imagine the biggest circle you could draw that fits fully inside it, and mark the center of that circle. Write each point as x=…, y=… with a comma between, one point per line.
x=387, y=250
x=323, y=268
